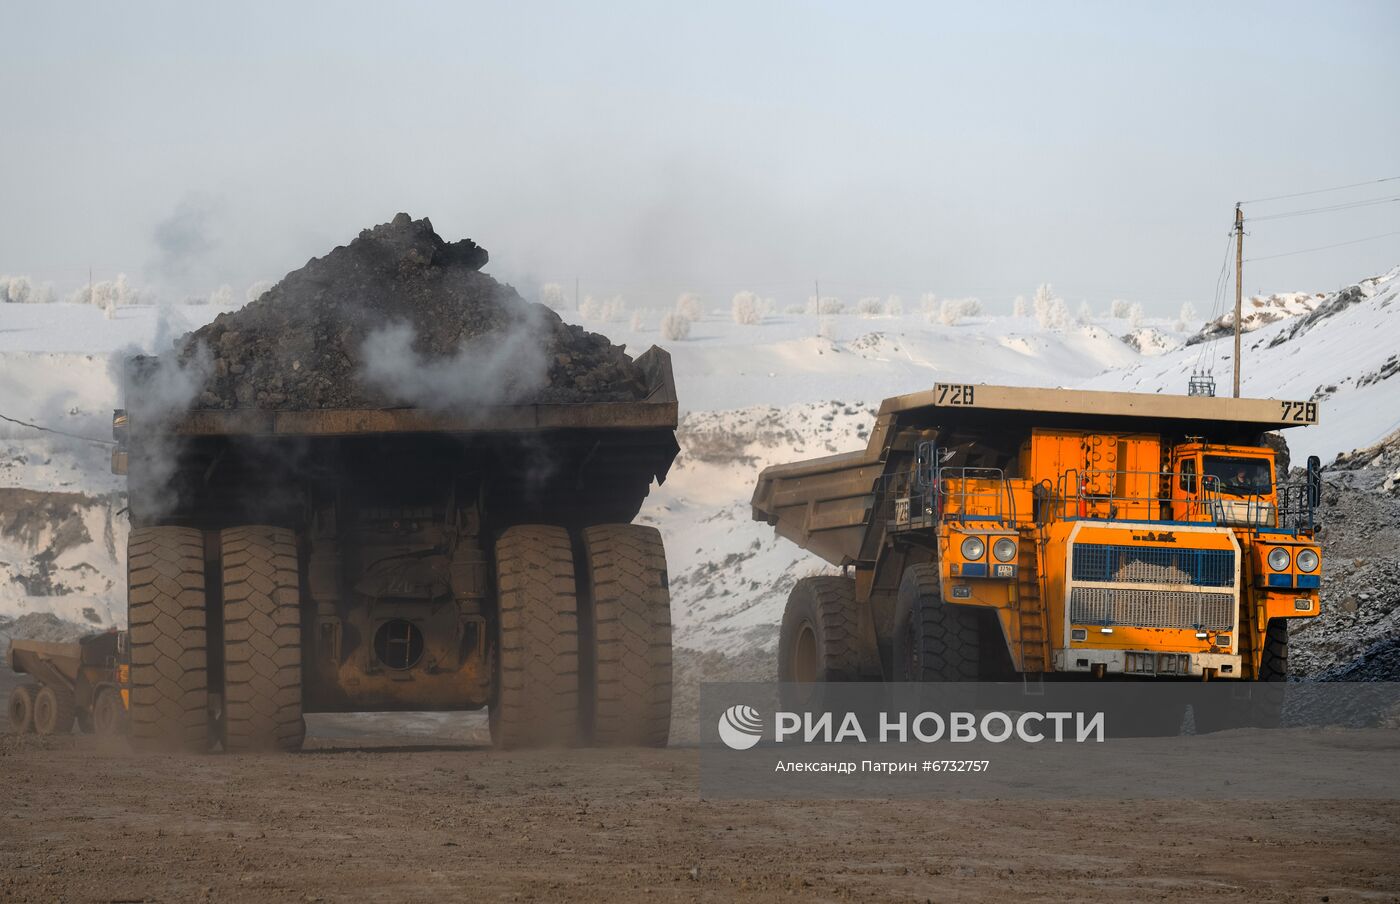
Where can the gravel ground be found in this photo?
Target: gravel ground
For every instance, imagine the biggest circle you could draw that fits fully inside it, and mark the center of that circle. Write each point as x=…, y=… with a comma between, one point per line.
x=421, y=819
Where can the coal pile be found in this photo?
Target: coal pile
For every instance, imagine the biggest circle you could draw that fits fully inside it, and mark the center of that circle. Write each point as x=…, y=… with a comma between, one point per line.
x=397, y=318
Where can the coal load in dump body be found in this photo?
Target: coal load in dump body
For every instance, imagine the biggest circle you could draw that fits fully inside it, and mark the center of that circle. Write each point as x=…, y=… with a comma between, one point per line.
x=303, y=345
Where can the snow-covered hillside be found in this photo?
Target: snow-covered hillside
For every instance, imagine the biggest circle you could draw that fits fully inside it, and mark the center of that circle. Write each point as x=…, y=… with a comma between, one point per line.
x=791, y=386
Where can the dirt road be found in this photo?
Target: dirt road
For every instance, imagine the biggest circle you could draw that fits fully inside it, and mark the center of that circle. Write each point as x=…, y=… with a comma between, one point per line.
x=422, y=811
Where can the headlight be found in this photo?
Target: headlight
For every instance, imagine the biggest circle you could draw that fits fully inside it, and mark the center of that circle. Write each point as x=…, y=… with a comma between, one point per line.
x=1278, y=559
x=1004, y=549
x=1307, y=560
x=973, y=548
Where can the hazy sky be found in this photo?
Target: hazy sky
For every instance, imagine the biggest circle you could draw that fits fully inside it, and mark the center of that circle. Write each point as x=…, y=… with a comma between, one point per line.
x=650, y=148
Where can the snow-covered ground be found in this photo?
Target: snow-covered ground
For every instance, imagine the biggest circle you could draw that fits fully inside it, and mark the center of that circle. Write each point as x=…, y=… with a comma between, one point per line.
x=789, y=387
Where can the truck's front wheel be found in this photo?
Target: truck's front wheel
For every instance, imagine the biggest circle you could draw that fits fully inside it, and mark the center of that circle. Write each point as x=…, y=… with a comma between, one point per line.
x=535, y=703
x=166, y=619
x=262, y=640
x=933, y=640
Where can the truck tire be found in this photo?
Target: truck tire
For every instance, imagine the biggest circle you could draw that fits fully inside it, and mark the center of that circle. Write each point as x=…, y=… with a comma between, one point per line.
x=107, y=714
x=1264, y=706
x=262, y=640
x=820, y=636
x=629, y=589
x=166, y=618
x=21, y=708
x=53, y=711
x=536, y=694
x=934, y=641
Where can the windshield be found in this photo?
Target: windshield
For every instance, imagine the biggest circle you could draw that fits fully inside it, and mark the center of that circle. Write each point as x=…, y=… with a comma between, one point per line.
x=1238, y=476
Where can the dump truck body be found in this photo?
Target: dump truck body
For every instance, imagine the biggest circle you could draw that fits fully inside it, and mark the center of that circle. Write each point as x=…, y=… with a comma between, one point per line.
x=1087, y=532
x=86, y=681
x=351, y=560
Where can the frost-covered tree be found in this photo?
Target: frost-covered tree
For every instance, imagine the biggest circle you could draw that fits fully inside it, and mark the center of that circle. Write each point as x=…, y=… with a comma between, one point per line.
x=826, y=306
x=870, y=307
x=953, y=310
x=639, y=321
x=928, y=303
x=1085, y=313
x=552, y=296
x=222, y=297
x=1120, y=308
x=614, y=309
x=16, y=289
x=745, y=309
x=258, y=290
x=1135, y=315
x=894, y=306
x=1051, y=312
x=1187, y=318
x=1018, y=307
x=590, y=308
x=690, y=306
x=675, y=326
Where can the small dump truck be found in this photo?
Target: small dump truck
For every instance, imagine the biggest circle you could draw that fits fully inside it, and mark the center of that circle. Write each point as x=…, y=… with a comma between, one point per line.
x=84, y=682
x=995, y=532
x=286, y=561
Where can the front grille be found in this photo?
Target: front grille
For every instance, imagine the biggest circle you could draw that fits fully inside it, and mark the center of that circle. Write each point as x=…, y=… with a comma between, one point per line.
x=1104, y=563
x=1200, y=610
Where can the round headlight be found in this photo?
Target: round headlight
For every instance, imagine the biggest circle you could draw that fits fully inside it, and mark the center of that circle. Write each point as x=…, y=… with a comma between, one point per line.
x=1307, y=560
x=1278, y=558
x=1004, y=549
x=973, y=548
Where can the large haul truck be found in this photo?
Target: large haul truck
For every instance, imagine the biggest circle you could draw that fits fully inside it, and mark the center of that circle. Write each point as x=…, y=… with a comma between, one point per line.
x=292, y=561
x=993, y=532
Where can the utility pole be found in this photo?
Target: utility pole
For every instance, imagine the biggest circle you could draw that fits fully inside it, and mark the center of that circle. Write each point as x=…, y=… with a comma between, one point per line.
x=1239, y=298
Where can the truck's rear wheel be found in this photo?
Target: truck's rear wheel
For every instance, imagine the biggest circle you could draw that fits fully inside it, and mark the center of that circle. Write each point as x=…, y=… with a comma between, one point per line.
x=166, y=619
x=53, y=711
x=536, y=695
x=627, y=581
x=820, y=636
x=21, y=708
x=933, y=640
x=262, y=640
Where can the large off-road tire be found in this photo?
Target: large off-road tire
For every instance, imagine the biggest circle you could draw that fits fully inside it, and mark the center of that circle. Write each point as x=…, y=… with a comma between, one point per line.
x=53, y=711
x=166, y=619
x=631, y=603
x=262, y=639
x=537, y=660
x=108, y=718
x=934, y=641
x=21, y=708
x=1264, y=705
x=819, y=640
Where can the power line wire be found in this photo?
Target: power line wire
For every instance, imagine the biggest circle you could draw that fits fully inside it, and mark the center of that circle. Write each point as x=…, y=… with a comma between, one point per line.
x=1369, y=238
x=1369, y=202
x=1322, y=191
x=14, y=420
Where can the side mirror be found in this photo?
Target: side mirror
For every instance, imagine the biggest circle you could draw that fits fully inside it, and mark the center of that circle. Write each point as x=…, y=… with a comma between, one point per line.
x=1314, y=484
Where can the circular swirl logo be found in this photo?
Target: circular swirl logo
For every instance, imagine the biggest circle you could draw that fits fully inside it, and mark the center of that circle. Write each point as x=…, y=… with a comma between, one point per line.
x=740, y=727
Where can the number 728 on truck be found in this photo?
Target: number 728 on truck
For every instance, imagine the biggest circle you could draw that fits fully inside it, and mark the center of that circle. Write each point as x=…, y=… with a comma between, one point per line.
x=990, y=532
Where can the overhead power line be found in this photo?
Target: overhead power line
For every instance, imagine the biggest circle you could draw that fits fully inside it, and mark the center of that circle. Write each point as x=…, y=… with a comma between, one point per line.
x=1368, y=202
x=1322, y=191
x=15, y=420
x=1369, y=238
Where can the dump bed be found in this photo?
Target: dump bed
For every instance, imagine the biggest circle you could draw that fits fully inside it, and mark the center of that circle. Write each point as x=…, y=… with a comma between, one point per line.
x=657, y=410
x=824, y=504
